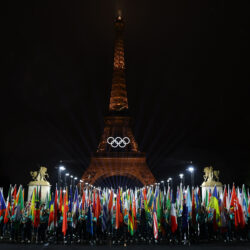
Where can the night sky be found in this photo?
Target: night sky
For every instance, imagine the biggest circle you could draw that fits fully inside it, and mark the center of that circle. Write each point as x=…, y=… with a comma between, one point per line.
x=187, y=72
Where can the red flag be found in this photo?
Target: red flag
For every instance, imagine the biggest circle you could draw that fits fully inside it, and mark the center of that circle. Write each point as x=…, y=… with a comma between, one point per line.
x=94, y=204
x=37, y=210
x=110, y=201
x=193, y=209
x=173, y=218
x=238, y=212
x=117, y=212
x=98, y=207
x=65, y=210
x=55, y=208
x=209, y=195
x=14, y=200
x=60, y=201
x=83, y=200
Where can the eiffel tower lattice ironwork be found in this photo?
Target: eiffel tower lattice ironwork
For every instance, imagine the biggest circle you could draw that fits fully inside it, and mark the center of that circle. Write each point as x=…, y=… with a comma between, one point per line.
x=117, y=153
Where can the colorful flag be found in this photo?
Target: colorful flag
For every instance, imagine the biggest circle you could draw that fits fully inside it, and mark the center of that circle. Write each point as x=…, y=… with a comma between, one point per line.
x=214, y=203
x=36, y=221
x=6, y=215
x=51, y=210
x=173, y=217
x=65, y=211
x=155, y=223
x=130, y=218
x=2, y=203
x=90, y=221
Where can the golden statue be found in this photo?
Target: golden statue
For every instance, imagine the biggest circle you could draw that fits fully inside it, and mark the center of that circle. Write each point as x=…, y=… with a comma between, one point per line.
x=216, y=174
x=211, y=177
x=39, y=179
x=208, y=176
x=40, y=176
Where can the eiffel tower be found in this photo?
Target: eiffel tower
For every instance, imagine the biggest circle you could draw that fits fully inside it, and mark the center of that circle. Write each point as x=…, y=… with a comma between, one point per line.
x=117, y=153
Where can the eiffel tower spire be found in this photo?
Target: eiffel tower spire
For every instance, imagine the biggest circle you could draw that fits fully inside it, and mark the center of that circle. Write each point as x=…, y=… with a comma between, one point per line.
x=118, y=98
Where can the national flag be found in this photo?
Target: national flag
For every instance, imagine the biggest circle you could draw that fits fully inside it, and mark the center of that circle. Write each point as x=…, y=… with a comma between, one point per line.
x=98, y=206
x=130, y=218
x=173, y=217
x=60, y=201
x=110, y=205
x=214, y=203
x=65, y=211
x=75, y=213
x=7, y=210
x=70, y=200
x=225, y=201
x=117, y=211
x=13, y=202
x=20, y=203
x=36, y=221
x=56, y=206
x=51, y=210
x=2, y=203
x=33, y=204
x=245, y=202
x=83, y=200
x=155, y=223
x=105, y=215
x=193, y=209
x=90, y=221
x=206, y=199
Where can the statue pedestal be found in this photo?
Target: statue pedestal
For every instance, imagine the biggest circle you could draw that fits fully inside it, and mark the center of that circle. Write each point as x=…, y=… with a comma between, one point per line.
x=209, y=185
x=45, y=189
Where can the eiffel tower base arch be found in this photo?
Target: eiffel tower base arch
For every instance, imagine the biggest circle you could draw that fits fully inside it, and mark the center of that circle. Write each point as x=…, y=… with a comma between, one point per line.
x=132, y=167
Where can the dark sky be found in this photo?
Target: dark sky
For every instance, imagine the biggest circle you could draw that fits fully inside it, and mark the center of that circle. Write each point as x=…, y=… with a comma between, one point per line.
x=187, y=70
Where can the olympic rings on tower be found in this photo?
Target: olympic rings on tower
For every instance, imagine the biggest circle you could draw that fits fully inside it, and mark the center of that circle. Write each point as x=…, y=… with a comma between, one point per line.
x=118, y=142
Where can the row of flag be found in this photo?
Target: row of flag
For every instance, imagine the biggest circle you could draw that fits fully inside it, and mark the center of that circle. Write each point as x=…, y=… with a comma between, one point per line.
x=153, y=204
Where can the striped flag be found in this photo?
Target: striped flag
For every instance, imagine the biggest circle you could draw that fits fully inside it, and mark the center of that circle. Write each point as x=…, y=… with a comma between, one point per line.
x=155, y=224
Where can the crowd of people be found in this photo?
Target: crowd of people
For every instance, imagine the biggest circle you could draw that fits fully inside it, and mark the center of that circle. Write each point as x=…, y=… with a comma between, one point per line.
x=152, y=215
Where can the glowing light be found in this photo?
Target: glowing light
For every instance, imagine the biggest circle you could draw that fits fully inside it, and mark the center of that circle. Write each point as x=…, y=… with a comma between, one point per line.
x=181, y=175
x=75, y=178
x=81, y=180
x=67, y=174
x=191, y=169
x=118, y=142
x=71, y=176
x=62, y=168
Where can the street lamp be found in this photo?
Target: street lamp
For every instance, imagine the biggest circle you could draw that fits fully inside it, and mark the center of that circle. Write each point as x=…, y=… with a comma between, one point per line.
x=170, y=180
x=81, y=181
x=72, y=177
x=65, y=179
x=60, y=169
x=75, y=178
x=191, y=170
x=181, y=175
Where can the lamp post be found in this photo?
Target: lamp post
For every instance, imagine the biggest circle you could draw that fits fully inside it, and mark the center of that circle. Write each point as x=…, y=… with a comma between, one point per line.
x=60, y=169
x=72, y=177
x=81, y=181
x=170, y=182
x=75, y=178
x=65, y=179
x=191, y=170
x=182, y=178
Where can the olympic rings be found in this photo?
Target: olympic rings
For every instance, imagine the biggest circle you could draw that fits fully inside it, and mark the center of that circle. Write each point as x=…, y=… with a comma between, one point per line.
x=118, y=142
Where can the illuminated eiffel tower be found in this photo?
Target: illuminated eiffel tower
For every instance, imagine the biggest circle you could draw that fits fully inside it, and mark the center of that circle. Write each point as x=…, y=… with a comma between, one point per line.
x=117, y=153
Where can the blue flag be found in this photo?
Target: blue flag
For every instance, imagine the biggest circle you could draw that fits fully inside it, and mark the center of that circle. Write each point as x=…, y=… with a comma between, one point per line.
x=90, y=221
